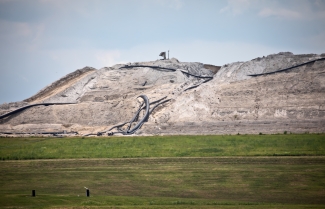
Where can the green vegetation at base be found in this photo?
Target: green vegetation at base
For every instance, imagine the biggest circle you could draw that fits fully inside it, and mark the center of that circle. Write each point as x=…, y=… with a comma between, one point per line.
x=162, y=146
x=222, y=182
x=233, y=171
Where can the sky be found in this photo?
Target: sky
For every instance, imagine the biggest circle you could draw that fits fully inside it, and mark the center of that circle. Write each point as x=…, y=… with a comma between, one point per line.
x=43, y=40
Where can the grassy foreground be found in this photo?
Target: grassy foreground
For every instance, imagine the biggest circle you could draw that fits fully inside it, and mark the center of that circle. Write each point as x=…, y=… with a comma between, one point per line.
x=242, y=171
x=225, y=182
x=162, y=146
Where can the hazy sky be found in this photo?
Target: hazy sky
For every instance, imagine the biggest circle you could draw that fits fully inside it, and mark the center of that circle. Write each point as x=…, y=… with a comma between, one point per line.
x=43, y=40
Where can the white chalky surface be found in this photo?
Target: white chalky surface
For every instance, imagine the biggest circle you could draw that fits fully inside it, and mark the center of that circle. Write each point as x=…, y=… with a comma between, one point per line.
x=232, y=102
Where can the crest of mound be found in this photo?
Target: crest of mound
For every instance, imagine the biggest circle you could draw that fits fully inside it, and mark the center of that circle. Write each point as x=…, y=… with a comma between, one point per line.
x=241, y=70
x=119, y=81
x=158, y=78
x=62, y=87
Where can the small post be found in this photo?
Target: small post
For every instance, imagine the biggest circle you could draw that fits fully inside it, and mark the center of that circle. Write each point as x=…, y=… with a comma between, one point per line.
x=163, y=54
x=87, y=192
x=33, y=193
x=168, y=54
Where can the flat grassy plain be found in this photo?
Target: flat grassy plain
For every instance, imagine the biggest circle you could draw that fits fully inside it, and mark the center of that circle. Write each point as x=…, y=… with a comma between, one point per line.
x=244, y=171
x=162, y=146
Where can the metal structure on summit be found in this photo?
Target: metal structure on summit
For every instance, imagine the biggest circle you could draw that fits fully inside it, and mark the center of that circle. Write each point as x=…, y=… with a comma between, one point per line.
x=163, y=54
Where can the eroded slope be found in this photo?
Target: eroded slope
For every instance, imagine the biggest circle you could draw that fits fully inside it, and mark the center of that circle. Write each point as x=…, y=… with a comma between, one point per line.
x=231, y=102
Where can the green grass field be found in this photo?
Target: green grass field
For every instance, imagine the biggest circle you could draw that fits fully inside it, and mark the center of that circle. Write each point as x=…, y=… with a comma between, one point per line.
x=163, y=146
x=242, y=171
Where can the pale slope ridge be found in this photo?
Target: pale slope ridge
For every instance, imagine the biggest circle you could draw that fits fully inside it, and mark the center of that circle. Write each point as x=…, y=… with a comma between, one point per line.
x=108, y=96
x=230, y=103
x=240, y=70
x=60, y=85
x=236, y=103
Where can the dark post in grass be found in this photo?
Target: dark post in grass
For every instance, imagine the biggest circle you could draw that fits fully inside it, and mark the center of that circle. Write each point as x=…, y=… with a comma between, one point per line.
x=87, y=192
x=33, y=193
